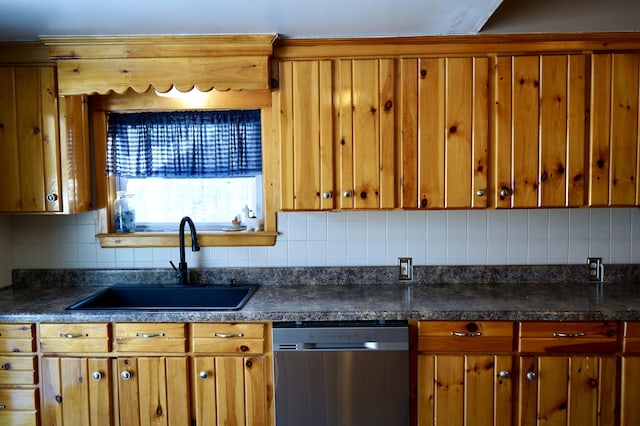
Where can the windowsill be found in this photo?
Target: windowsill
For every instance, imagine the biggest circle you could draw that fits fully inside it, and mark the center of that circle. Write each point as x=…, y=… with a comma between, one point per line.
x=170, y=239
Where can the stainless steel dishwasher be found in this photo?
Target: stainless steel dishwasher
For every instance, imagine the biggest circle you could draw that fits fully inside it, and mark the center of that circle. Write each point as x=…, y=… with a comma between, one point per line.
x=341, y=373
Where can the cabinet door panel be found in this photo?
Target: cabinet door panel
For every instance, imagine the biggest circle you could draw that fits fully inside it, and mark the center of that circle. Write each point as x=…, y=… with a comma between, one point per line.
x=71, y=396
x=30, y=144
x=9, y=171
x=501, y=138
x=386, y=107
x=343, y=123
x=480, y=133
x=459, y=125
x=230, y=390
x=408, y=133
x=630, y=409
x=431, y=144
x=553, y=130
x=577, y=129
x=366, y=133
x=257, y=403
x=525, y=106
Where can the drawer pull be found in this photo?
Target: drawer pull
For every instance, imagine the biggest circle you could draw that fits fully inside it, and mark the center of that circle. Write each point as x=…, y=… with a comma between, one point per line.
x=73, y=336
x=2, y=407
x=228, y=335
x=149, y=335
x=581, y=334
x=459, y=334
x=6, y=366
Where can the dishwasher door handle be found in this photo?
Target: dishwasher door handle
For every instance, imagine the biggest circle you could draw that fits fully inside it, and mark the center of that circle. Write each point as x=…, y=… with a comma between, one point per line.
x=358, y=346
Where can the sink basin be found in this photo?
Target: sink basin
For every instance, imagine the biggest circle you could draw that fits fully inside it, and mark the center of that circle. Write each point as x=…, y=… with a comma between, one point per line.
x=176, y=298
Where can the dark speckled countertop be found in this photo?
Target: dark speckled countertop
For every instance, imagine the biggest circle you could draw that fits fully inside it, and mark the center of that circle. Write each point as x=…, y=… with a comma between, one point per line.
x=324, y=294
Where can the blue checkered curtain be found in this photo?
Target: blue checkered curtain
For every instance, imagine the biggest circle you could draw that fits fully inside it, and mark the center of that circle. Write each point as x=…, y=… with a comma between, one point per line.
x=195, y=144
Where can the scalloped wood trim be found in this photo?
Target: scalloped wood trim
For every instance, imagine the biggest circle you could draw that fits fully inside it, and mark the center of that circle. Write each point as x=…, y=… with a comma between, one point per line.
x=170, y=239
x=90, y=65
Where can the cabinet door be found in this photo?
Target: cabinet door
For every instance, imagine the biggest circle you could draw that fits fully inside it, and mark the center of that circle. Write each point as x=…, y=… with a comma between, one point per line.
x=444, y=144
x=29, y=165
x=539, y=139
x=461, y=389
x=304, y=99
x=77, y=391
x=567, y=390
x=613, y=155
x=230, y=390
x=630, y=391
x=154, y=391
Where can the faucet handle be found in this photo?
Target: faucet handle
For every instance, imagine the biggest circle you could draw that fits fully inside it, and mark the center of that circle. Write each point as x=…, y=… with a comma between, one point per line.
x=173, y=266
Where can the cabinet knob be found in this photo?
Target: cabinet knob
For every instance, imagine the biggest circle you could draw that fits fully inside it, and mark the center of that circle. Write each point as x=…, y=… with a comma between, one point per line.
x=505, y=192
x=52, y=197
x=481, y=192
x=531, y=375
x=347, y=194
x=504, y=374
x=327, y=194
x=203, y=374
x=96, y=375
x=125, y=375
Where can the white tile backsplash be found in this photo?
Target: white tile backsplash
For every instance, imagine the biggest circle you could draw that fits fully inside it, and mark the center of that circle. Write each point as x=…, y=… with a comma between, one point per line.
x=464, y=237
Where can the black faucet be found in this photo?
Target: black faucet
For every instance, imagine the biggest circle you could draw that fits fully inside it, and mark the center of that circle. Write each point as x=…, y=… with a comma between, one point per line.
x=183, y=274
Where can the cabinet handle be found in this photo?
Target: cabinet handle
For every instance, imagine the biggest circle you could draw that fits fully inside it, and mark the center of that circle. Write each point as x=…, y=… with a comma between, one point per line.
x=347, y=194
x=6, y=366
x=125, y=375
x=504, y=374
x=203, y=374
x=459, y=334
x=149, y=335
x=327, y=194
x=96, y=375
x=580, y=334
x=505, y=192
x=52, y=197
x=2, y=407
x=228, y=335
x=73, y=336
x=531, y=375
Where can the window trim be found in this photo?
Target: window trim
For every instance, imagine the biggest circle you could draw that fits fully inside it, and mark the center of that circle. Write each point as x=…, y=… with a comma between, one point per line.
x=149, y=101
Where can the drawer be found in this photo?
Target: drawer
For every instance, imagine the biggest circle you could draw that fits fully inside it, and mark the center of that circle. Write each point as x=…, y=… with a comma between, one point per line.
x=150, y=337
x=74, y=337
x=18, y=370
x=18, y=399
x=228, y=338
x=16, y=338
x=568, y=337
x=465, y=336
x=631, y=337
x=18, y=407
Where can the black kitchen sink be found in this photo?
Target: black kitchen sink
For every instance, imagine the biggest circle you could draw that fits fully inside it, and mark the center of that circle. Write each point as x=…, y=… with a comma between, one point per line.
x=168, y=298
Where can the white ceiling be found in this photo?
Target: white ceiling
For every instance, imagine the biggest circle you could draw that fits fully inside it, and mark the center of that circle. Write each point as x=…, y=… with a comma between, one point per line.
x=28, y=19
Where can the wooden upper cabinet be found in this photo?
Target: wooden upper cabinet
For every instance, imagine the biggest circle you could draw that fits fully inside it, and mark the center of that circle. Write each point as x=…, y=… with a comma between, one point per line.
x=539, y=133
x=444, y=143
x=44, y=166
x=337, y=132
x=613, y=159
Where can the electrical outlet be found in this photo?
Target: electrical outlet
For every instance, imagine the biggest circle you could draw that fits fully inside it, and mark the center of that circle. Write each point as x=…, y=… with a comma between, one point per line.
x=596, y=269
x=406, y=268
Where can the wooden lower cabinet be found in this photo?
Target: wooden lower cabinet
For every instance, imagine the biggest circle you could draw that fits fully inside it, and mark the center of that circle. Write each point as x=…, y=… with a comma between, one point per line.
x=157, y=374
x=465, y=389
x=567, y=390
x=465, y=371
x=154, y=391
x=77, y=391
x=230, y=390
x=630, y=375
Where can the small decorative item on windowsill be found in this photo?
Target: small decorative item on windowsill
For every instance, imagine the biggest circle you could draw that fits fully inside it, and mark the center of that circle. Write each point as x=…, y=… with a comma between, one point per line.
x=124, y=213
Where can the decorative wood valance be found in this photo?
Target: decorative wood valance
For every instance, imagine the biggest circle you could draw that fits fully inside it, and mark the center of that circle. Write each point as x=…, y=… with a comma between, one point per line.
x=88, y=65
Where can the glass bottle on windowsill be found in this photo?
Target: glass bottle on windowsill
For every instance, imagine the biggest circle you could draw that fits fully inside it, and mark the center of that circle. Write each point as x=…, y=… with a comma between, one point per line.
x=124, y=213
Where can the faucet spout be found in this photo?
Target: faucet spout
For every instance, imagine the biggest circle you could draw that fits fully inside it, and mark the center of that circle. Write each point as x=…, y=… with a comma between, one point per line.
x=183, y=273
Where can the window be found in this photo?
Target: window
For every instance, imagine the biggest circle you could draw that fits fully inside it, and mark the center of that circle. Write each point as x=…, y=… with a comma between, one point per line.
x=202, y=164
